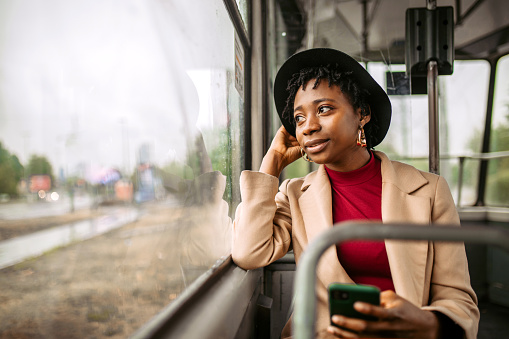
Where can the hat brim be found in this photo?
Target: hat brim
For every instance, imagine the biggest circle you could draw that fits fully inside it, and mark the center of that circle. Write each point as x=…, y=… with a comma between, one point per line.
x=378, y=100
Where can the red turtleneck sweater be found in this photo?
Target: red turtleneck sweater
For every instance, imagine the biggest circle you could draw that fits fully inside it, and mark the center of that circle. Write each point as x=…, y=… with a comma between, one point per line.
x=357, y=195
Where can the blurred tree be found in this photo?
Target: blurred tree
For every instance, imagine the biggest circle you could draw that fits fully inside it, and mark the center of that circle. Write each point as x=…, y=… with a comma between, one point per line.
x=178, y=169
x=11, y=172
x=38, y=164
x=220, y=153
x=221, y=157
x=497, y=192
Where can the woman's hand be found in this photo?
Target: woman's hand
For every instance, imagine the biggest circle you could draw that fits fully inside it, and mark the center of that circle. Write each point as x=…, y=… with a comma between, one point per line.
x=283, y=150
x=398, y=318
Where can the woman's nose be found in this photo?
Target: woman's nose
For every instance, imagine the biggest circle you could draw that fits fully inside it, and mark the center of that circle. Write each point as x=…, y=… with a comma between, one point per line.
x=312, y=125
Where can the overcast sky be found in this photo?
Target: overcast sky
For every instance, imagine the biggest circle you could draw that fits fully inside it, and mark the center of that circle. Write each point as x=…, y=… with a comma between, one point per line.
x=90, y=81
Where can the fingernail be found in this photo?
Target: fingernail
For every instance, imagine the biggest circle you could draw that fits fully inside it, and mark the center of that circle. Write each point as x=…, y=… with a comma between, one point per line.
x=338, y=319
x=360, y=307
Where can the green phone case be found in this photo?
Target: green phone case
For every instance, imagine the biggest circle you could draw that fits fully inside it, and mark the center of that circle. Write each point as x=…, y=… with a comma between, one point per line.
x=343, y=296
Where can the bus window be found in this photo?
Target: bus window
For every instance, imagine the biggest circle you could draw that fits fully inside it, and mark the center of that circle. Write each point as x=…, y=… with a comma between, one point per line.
x=497, y=187
x=286, y=27
x=462, y=109
x=121, y=146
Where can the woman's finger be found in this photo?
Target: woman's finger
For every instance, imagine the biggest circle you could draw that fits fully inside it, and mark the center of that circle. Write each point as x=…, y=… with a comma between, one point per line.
x=352, y=324
x=340, y=333
x=375, y=311
x=388, y=298
x=383, y=327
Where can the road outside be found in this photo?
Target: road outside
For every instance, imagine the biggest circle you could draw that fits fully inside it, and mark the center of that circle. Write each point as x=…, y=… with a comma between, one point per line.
x=104, y=287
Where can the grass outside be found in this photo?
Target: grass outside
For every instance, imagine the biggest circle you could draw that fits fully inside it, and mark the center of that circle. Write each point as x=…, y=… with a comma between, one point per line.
x=105, y=287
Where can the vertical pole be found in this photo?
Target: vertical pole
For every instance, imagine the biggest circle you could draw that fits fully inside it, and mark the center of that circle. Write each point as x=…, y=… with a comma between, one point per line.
x=434, y=156
x=310, y=43
x=460, y=179
x=257, y=110
x=483, y=167
x=310, y=24
x=364, y=26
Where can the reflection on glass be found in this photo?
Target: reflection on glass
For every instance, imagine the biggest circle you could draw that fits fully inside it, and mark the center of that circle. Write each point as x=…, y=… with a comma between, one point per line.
x=498, y=179
x=120, y=153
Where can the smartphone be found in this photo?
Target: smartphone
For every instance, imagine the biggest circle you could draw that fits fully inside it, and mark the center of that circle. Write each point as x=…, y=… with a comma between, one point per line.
x=343, y=296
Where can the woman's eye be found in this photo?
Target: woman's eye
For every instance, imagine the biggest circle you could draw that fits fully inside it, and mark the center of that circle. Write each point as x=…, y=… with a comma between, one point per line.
x=299, y=118
x=324, y=109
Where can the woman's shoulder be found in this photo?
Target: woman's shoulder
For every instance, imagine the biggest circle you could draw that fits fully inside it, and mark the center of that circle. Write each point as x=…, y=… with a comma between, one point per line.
x=404, y=167
x=299, y=180
x=403, y=171
x=299, y=183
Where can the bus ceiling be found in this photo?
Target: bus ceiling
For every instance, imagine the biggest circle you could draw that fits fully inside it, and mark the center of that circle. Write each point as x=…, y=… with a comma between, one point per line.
x=374, y=30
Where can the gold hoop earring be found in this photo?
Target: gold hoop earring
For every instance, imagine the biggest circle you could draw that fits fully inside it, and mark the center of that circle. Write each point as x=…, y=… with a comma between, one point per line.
x=361, y=138
x=305, y=155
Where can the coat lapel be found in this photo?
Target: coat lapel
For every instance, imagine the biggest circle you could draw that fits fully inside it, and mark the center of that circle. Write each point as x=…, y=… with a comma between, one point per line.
x=316, y=203
x=407, y=259
x=316, y=208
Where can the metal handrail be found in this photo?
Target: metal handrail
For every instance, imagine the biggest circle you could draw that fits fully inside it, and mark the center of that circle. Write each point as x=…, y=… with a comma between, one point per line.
x=461, y=159
x=473, y=156
x=305, y=279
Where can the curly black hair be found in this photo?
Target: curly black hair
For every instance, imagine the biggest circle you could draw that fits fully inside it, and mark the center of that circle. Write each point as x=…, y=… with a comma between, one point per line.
x=357, y=95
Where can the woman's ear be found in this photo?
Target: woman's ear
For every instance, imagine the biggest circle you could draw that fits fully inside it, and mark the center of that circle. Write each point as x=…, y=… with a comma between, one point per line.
x=365, y=118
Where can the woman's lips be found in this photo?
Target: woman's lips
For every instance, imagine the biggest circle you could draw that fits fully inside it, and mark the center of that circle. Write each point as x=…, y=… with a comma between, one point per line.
x=315, y=146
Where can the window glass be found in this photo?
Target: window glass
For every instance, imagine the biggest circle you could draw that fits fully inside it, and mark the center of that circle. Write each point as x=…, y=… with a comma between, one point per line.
x=243, y=6
x=121, y=127
x=497, y=186
x=462, y=110
x=283, y=38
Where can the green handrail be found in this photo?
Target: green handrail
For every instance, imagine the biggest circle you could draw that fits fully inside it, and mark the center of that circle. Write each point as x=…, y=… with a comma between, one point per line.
x=305, y=279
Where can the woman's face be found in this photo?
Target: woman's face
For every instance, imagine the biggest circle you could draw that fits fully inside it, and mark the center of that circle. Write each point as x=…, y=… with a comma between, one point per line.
x=327, y=127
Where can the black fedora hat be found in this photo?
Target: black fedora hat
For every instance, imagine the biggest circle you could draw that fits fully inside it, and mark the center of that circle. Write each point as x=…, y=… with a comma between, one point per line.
x=378, y=100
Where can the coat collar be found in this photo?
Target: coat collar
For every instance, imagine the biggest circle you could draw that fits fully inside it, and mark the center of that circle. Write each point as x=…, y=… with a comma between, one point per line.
x=405, y=177
x=407, y=181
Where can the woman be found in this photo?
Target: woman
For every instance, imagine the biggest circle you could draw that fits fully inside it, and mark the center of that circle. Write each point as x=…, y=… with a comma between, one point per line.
x=333, y=113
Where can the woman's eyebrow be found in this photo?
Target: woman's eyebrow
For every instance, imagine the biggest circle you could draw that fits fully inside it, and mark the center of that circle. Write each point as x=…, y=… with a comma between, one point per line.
x=315, y=102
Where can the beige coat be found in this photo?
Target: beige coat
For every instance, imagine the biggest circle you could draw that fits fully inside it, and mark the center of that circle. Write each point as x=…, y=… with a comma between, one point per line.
x=431, y=275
